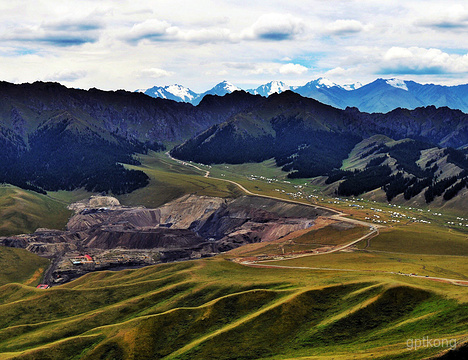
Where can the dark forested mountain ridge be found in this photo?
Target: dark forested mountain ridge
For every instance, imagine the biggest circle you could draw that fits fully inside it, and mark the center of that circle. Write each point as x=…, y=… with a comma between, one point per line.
x=308, y=139
x=131, y=115
x=293, y=119
x=53, y=137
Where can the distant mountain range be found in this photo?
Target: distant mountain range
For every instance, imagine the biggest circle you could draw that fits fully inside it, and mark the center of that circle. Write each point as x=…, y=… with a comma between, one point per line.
x=180, y=93
x=56, y=138
x=381, y=95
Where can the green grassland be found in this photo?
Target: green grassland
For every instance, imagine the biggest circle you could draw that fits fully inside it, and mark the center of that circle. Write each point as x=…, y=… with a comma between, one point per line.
x=420, y=239
x=23, y=211
x=452, y=267
x=20, y=266
x=170, y=180
x=206, y=309
x=334, y=234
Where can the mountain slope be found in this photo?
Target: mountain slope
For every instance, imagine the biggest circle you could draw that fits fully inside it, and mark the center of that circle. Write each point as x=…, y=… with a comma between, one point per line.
x=24, y=211
x=52, y=137
x=310, y=139
x=206, y=309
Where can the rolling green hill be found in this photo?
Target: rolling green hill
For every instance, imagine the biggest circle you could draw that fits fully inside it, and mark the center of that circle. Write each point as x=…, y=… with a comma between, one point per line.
x=20, y=266
x=23, y=211
x=206, y=309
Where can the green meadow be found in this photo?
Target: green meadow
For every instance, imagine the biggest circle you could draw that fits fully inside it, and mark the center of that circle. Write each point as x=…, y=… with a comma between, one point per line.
x=218, y=309
x=23, y=211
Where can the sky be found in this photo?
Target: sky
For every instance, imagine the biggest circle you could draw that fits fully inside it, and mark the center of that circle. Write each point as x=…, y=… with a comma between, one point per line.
x=138, y=44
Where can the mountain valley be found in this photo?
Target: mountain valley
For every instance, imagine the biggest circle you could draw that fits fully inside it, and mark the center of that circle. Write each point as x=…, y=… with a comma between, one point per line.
x=268, y=227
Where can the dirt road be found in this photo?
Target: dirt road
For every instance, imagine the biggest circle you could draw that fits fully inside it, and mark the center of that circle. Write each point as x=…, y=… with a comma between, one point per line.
x=374, y=230
x=458, y=282
x=338, y=214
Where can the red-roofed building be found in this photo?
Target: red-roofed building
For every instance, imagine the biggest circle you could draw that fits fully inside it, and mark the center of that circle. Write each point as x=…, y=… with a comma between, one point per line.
x=42, y=286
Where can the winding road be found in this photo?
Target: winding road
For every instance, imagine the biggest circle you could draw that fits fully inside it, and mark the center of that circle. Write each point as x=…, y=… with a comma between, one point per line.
x=374, y=231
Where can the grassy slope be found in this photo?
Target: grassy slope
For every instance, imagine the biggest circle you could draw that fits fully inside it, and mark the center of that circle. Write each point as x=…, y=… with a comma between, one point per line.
x=170, y=180
x=452, y=267
x=207, y=309
x=303, y=240
x=20, y=266
x=23, y=211
x=421, y=239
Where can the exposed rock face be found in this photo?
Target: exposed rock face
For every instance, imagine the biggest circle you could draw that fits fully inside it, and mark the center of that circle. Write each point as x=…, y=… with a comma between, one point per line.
x=160, y=238
x=95, y=202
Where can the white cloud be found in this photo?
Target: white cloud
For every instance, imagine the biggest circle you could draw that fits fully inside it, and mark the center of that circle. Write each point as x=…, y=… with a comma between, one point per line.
x=447, y=17
x=113, y=41
x=338, y=71
x=415, y=60
x=155, y=73
x=155, y=30
x=291, y=68
x=267, y=68
x=269, y=27
x=216, y=73
x=206, y=35
x=275, y=27
x=66, y=75
x=345, y=27
x=151, y=29
x=62, y=33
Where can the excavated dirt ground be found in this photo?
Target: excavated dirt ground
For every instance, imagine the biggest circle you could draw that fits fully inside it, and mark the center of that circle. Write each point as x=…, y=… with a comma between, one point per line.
x=116, y=236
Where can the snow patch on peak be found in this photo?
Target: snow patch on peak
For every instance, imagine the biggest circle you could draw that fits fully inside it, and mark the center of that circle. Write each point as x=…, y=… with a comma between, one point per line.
x=160, y=93
x=272, y=87
x=397, y=83
x=277, y=87
x=325, y=82
x=228, y=86
x=349, y=87
x=180, y=91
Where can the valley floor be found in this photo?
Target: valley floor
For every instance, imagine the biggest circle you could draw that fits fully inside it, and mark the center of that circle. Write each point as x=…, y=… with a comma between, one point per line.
x=370, y=285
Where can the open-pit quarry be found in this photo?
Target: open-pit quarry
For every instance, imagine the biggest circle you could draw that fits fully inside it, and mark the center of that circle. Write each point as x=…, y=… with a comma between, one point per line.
x=102, y=234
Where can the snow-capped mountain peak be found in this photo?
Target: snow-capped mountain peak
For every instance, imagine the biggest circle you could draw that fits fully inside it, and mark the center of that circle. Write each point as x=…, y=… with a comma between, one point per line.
x=172, y=92
x=276, y=87
x=180, y=91
x=270, y=88
x=320, y=83
x=323, y=82
x=225, y=85
x=353, y=86
x=397, y=83
x=381, y=95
